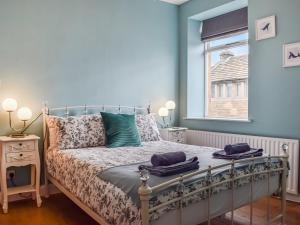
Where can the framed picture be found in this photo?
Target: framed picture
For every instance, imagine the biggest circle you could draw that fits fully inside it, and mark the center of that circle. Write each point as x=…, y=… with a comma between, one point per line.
x=291, y=54
x=265, y=28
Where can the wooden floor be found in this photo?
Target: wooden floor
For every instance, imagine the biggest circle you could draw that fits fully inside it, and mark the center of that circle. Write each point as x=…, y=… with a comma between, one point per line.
x=59, y=210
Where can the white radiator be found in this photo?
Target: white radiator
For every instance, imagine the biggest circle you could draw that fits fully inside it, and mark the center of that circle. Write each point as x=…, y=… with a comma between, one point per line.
x=271, y=146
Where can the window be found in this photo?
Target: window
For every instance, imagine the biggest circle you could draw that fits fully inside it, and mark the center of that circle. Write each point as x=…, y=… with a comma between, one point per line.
x=220, y=90
x=214, y=91
x=227, y=76
x=229, y=90
x=239, y=89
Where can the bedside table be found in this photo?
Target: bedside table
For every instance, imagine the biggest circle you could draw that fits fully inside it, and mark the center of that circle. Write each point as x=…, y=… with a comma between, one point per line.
x=174, y=134
x=20, y=152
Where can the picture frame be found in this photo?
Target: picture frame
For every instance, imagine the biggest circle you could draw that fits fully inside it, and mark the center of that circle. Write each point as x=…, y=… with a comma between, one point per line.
x=265, y=28
x=291, y=54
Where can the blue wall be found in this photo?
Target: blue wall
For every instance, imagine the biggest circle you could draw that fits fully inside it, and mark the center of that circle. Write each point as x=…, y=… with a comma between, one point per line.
x=87, y=51
x=273, y=90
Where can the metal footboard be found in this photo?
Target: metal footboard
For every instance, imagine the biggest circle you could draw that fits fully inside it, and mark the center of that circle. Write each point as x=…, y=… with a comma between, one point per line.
x=145, y=190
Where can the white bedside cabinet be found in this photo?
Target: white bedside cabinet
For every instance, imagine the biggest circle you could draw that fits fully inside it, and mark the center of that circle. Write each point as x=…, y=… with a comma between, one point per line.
x=20, y=152
x=174, y=134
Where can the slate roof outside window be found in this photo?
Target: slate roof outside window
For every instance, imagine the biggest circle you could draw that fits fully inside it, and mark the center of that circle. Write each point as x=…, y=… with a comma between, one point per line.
x=230, y=68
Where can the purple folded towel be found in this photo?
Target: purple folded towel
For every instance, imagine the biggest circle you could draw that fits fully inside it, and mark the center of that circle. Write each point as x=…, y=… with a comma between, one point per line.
x=178, y=168
x=167, y=159
x=252, y=152
x=237, y=148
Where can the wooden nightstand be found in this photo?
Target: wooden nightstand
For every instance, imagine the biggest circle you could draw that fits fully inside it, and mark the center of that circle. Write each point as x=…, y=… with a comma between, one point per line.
x=174, y=134
x=20, y=152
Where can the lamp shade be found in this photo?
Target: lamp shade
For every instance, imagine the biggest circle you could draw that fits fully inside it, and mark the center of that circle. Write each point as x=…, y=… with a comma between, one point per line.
x=9, y=105
x=170, y=105
x=24, y=114
x=163, y=112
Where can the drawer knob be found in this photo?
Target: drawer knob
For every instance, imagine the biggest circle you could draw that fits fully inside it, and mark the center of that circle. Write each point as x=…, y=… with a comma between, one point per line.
x=20, y=144
x=21, y=155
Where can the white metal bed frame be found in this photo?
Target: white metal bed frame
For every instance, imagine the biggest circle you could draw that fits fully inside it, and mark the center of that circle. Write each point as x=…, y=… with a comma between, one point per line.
x=145, y=190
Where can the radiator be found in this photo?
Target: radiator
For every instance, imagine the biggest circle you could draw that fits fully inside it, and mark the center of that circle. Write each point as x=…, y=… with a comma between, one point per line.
x=270, y=145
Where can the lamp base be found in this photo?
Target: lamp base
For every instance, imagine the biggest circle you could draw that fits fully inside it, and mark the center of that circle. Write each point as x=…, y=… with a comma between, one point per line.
x=17, y=135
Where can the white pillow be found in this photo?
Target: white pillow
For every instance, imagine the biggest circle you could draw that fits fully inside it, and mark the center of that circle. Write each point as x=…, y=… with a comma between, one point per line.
x=147, y=127
x=76, y=132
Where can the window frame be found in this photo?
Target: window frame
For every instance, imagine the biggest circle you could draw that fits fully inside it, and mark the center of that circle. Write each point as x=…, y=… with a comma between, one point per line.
x=208, y=49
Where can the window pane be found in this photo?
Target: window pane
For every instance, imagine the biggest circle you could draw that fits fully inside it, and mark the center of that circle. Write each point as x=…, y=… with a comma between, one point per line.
x=227, y=72
x=239, y=89
x=228, y=40
x=218, y=56
x=219, y=90
x=213, y=91
x=229, y=90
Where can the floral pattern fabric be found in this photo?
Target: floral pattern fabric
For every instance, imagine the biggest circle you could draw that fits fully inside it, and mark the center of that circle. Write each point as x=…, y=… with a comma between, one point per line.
x=76, y=132
x=147, y=127
x=77, y=169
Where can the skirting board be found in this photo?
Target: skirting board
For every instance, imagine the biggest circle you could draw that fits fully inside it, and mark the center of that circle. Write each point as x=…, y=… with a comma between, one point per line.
x=293, y=198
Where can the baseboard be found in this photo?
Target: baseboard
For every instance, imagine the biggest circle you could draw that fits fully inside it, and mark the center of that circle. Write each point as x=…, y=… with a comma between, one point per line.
x=293, y=198
x=51, y=188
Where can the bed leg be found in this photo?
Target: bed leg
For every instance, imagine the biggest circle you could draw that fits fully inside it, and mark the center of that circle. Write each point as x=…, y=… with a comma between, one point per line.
x=46, y=190
x=283, y=183
x=46, y=183
x=144, y=193
x=45, y=140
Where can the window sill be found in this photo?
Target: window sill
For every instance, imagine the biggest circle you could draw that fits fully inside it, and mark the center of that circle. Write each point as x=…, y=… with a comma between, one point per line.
x=221, y=119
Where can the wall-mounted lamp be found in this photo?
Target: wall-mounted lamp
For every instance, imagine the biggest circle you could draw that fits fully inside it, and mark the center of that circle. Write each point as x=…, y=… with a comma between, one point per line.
x=24, y=114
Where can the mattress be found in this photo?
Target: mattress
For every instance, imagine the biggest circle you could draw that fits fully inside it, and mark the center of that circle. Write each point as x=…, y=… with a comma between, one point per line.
x=77, y=170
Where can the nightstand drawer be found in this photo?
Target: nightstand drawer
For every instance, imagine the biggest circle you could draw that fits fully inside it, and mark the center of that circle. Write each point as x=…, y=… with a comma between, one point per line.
x=178, y=140
x=19, y=157
x=20, y=146
x=177, y=136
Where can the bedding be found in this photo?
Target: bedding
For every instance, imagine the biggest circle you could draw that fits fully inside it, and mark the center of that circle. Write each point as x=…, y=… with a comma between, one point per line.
x=89, y=131
x=76, y=131
x=147, y=127
x=79, y=170
x=120, y=130
x=127, y=178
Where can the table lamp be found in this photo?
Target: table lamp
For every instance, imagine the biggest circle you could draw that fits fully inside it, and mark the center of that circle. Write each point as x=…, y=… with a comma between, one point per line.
x=170, y=105
x=24, y=114
x=163, y=113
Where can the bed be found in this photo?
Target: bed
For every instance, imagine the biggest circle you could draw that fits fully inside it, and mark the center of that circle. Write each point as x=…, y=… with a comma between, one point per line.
x=97, y=179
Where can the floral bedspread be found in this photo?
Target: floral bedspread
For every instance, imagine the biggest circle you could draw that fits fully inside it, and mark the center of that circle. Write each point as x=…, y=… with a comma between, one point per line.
x=77, y=169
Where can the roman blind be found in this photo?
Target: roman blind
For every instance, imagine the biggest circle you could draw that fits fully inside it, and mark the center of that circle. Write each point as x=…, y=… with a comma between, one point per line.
x=225, y=24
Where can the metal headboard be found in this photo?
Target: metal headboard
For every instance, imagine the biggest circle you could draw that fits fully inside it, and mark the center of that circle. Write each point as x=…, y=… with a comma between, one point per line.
x=102, y=108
